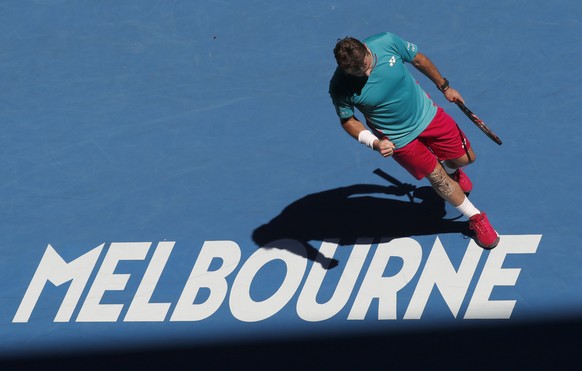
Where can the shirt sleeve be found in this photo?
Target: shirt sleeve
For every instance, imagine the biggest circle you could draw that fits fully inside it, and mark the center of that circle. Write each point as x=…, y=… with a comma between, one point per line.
x=405, y=49
x=344, y=108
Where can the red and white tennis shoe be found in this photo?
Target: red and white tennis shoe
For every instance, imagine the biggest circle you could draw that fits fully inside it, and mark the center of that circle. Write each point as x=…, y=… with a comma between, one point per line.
x=485, y=235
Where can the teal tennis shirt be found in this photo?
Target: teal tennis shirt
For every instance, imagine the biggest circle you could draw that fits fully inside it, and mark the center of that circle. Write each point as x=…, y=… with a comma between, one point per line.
x=390, y=99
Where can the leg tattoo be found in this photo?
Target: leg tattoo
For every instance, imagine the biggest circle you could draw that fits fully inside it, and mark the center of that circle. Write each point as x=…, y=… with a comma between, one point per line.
x=446, y=187
x=442, y=183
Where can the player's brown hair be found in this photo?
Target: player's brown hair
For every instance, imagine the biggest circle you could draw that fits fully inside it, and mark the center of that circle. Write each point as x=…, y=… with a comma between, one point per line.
x=350, y=54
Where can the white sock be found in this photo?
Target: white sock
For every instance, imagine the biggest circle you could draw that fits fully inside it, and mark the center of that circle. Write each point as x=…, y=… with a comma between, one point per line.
x=467, y=208
x=448, y=169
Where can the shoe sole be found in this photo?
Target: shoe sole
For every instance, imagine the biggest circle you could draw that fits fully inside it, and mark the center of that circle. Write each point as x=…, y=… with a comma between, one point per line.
x=490, y=246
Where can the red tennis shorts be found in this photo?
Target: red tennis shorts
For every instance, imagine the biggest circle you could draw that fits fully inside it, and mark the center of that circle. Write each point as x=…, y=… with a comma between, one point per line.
x=441, y=140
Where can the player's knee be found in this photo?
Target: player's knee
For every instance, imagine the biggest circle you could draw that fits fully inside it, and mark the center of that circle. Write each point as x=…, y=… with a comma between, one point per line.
x=464, y=160
x=470, y=156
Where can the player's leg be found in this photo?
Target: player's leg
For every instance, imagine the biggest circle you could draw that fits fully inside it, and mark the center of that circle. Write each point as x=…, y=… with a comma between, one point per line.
x=467, y=158
x=448, y=142
x=447, y=188
x=421, y=162
x=454, y=168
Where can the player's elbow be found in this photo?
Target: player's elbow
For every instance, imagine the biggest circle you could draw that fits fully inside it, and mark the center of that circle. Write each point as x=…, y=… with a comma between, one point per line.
x=420, y=60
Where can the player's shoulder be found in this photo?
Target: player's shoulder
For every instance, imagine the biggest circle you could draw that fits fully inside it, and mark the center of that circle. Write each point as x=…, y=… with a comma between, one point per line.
x=392, y=43
x=382, y=37
x=338, y=83
x=342, y=86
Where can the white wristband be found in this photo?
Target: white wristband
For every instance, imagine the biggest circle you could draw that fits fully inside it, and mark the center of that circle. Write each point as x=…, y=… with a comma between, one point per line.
x=366, y=137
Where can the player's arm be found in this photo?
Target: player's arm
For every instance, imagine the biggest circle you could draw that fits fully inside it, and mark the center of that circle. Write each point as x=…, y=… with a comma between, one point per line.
x=358, y=131
x=422, y=63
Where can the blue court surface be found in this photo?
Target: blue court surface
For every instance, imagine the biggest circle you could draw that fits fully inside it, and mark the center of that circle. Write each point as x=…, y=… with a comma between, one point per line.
x=176, y=186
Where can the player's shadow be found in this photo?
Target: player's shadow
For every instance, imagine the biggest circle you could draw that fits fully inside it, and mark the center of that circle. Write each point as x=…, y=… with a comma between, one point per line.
x=357, y=212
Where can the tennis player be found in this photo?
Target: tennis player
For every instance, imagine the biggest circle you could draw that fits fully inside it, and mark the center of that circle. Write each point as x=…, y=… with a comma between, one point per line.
x=403, y=121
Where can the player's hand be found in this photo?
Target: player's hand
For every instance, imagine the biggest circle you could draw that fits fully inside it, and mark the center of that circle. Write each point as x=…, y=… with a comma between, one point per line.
x=453, y=95
x=385, y=147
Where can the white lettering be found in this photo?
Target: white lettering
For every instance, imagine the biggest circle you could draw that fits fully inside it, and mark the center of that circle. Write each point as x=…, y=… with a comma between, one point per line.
x=92, y=309
x=141, y=309
x=242, y=306
x=54, y=269
x=308, y=308
x=206, y=288
x=385, y=288
x=202, y=277
x=480, y=307
x=439, y=271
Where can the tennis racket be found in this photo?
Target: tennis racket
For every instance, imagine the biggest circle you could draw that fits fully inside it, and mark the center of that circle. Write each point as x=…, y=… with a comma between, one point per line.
x=480, y=124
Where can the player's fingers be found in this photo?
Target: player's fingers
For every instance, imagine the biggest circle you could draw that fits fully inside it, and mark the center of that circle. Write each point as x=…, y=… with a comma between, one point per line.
x=387, y=144
x=387, y=152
